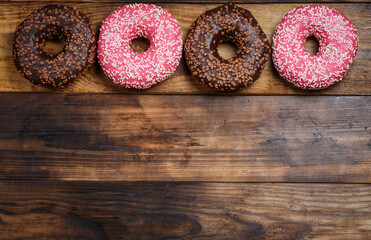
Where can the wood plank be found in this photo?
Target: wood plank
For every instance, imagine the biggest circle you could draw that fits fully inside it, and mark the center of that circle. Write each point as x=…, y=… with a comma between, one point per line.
x=96, y=210
x=356, y=82
x=185, y=138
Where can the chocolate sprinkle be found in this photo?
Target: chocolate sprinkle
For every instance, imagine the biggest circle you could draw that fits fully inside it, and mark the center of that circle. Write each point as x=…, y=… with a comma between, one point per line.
x=54, y=70
x=227, y=23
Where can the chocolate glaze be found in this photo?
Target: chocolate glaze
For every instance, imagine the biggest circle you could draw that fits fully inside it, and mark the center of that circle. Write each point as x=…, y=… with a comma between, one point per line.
x=54, y=21
x=227, y=23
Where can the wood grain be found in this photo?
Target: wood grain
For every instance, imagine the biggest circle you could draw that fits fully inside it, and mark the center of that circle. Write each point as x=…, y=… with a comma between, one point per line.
x=185, y=138
x=96, y=210
x=356, y=82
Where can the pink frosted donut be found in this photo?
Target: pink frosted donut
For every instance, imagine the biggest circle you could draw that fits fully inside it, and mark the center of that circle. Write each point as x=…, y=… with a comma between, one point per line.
x=139, y=70
x=338, y=43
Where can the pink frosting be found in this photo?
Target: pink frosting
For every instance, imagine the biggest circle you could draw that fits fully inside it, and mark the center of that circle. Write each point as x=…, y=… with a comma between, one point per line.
x=338, y=43
x=139, y=70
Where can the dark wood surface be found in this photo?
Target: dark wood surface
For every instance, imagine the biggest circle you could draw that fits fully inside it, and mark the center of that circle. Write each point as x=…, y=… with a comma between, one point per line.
x=167, y=210
x=355, y=82
x=179, y=161
x=185, y=138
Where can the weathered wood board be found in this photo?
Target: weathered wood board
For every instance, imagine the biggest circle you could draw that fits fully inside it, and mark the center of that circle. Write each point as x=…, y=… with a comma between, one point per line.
x=185, y=138
x=107, y=210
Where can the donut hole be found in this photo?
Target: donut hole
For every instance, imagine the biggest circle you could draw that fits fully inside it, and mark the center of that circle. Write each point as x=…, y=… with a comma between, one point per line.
x=227, y=50
x=54, y=45
x=312, y=45
x=140, y=44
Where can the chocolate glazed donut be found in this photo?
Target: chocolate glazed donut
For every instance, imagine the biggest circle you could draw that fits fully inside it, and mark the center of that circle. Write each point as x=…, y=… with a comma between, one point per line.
x=227, y=23
x=54, y=21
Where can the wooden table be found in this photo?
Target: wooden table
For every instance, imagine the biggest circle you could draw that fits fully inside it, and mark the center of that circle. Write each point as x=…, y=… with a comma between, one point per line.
x=179, y=160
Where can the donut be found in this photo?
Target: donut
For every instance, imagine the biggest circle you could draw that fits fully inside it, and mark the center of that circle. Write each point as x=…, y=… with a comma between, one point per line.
x=139, y=70
x=338, y=43
x=227, y=23
x=54, y=70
